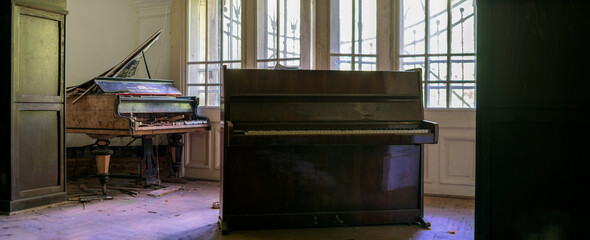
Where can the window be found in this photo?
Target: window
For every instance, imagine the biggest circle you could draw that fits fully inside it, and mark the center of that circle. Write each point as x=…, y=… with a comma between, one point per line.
x=353, y=35
x=435, y=35
x=214, y=40
x=278, y=33
x=439, y=36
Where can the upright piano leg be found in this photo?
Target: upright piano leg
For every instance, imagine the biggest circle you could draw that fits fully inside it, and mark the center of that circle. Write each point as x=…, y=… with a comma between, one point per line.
x=176, y=153
x=150, y=162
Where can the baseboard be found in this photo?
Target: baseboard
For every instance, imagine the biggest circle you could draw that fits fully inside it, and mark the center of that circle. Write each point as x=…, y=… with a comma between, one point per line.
x=449, y=196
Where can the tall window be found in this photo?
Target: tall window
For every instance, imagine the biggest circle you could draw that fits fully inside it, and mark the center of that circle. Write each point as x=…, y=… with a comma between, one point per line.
x=353, y=34
x=214, y=40
x=279, y=33
x=439, y=36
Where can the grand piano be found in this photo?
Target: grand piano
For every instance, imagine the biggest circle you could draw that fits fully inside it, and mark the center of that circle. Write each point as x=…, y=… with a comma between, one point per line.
x=310, y=148
x=114, y=104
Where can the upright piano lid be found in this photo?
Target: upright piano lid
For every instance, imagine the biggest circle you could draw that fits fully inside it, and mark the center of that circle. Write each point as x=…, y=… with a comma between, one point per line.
x=260, y=95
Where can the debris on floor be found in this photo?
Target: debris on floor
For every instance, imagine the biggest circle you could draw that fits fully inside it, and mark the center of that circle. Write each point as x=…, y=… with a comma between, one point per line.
x=164, y=191
x=130, y=191
x=174, y=180
x=215, y=205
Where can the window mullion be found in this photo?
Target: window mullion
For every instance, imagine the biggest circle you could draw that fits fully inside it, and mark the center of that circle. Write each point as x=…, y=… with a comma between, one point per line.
x=278, y=35
x=352, y=60
x=220, y=29
x=449, y=35
x=426, y=53
x=206, y=52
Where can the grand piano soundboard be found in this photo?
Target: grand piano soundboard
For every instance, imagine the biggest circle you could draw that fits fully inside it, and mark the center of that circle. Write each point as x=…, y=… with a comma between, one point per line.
x=310, y=148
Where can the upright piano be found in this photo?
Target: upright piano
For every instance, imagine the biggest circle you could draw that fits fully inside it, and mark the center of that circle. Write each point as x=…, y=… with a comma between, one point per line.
x=307, y=148
x=115, y=104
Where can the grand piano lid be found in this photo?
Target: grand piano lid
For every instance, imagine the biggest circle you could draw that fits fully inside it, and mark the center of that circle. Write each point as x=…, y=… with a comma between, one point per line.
x=126, y=68
x=131, y=86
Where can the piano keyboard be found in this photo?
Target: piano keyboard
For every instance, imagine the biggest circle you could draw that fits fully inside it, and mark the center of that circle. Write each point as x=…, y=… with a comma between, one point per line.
x=334, y=132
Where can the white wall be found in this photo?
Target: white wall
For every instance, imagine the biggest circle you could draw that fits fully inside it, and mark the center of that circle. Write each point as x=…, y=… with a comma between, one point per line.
x=449, y=166
x=99, y=34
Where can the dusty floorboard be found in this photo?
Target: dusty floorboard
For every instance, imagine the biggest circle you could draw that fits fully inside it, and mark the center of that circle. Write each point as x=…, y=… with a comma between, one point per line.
x=187, y=214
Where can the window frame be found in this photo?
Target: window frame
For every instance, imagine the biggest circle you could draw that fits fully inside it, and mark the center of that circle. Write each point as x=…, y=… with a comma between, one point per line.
x=206, y=62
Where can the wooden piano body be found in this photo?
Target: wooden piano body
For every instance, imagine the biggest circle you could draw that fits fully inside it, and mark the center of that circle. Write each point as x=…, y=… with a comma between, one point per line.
x=307, y=148
x=115, y=104
x=115, y=112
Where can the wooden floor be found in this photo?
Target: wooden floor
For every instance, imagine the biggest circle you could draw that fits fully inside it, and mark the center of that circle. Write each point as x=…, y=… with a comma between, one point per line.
x=188, y=214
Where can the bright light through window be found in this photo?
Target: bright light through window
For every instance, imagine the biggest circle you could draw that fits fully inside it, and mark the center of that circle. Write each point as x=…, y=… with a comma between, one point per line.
x=446, y=53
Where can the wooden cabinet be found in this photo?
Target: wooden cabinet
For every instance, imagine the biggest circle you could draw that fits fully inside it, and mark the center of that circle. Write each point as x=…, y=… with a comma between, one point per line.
x=32, y=49
x=532, y=134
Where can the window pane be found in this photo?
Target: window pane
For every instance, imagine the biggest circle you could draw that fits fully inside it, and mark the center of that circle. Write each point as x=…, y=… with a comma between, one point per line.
x=366, y=64
x=462, y=95
x=463, y=31
x=196, y=74
x=438, y=69
x=198, y=91
x=412, y=63
x=232, y=29
x=463, y=68
x=266, y=65
x=451, y=49
x=214, y=19
x=436, y=95
x=233, y=65
x=291, y=63
x=267, y=29
x=213, y=77
x=197, y=30
x=213, y=95
x=413, y=27
x=366, y=27
x=278, y=30
x=340, y=26
x=341, y=63
x=289, y=20
x=438, y=26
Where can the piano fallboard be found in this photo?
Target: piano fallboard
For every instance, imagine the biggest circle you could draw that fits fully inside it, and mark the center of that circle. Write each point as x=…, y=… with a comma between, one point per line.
x=306, y=133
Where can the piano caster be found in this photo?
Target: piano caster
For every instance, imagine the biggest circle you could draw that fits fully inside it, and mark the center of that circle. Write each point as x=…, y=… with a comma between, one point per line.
x=103, y=178
x=423, y=223
x=176, y=153
x=222, y=225
x=103, y=157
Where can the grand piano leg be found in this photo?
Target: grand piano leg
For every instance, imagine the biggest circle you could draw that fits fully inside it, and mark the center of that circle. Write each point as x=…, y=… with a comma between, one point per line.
x=149, y=162
x=103, y=157
x=176, y=152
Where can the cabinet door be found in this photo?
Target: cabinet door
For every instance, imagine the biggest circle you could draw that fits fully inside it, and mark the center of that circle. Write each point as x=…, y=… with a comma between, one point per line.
x=37, y=120
x=38, y=149
x=38, y=40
